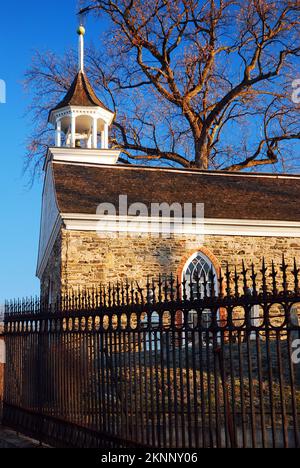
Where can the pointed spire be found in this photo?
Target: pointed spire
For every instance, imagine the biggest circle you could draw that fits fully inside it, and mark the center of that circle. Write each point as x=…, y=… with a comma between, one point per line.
x=73, y=131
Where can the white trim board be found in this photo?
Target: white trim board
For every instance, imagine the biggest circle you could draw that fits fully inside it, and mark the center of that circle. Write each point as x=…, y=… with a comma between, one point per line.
x=82, y=156
x=224, y=227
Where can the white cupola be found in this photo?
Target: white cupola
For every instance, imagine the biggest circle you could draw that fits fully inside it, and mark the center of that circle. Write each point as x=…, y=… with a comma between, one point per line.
x=81, y=120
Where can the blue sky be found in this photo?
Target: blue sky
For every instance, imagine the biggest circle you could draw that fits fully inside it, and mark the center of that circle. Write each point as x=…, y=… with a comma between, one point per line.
x=26, y=26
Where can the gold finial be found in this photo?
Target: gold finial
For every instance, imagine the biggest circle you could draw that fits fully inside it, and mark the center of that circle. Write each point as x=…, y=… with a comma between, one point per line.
x=81, y=30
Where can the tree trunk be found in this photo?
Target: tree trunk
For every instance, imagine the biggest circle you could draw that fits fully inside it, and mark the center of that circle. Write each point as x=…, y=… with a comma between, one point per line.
x=201, y=155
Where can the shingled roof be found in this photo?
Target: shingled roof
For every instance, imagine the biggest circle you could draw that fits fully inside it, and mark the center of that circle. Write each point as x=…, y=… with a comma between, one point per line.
x=81, y=93
x=81, y=188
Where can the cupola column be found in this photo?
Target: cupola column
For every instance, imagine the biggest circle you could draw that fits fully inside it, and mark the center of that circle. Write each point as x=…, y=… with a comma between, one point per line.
x=89, y=141
x=73, y=131
x=102, y=140
x=95, y=133
x=58, y=134
x=104, y=137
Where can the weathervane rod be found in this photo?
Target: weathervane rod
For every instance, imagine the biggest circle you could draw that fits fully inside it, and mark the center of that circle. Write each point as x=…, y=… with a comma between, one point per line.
x=81, y=33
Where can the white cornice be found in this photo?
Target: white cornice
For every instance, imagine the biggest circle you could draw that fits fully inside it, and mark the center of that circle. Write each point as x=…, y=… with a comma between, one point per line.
x=94, y=157
x=96, y=111
x=223, y=227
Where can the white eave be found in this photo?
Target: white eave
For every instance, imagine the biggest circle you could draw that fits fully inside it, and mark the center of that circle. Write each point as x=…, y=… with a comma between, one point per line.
x=84, y=156
x=96, y=111
x=221, y=227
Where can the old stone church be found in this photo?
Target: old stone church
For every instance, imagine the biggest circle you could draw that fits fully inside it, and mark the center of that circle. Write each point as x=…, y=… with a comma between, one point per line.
x=246, y=216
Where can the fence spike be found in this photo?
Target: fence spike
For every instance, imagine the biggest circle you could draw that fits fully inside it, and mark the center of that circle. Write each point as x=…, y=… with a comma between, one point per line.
x=153, y=291
x=245, y=280
x=75, y=297
x=236, y=283
x=273, y=275
x=59, y=305
x=80, y=298
x=295, y=273
x=89, y=298
x=136, y=299
x=198, y=287
x=122, y=294
x=191, y=288
x=160, y=288
x=104, y=296
x=212, y=282
x=70, y=304
x=93, y=298
x=148, y=286
x=114, y=303
x=184, y=294
x=205, y=286
x=98, y=295
x=178, y=290
x=64, y=302
x=172, y=292
x=264, y=271
x=71, y=294
x=221, y=284
x=253, y=279
x=127, y=288
x=166, y=289
x=228, y=281
x=109, y=295
x=140, y=292
x=133, y=293
x=284, y=269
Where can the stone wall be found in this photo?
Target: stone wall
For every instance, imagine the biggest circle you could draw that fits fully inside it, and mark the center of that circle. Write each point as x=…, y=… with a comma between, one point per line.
x=53, y=272
x=87, y=260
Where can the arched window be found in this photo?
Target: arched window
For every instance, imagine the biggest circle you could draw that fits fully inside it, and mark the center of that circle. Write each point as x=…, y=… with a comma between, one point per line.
x=199, y=268
x=199, y=272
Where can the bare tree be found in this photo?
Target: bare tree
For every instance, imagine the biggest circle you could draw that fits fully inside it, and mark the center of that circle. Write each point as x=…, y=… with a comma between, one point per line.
x=204, y=84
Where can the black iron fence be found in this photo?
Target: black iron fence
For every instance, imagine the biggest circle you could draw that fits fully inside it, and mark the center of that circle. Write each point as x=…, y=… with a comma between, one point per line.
x=212, y=363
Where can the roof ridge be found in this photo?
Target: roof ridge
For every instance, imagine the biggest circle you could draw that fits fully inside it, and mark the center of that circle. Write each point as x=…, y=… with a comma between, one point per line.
x=182, y=171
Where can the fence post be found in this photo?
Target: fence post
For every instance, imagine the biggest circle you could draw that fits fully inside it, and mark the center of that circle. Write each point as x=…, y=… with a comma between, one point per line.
x=2, y=368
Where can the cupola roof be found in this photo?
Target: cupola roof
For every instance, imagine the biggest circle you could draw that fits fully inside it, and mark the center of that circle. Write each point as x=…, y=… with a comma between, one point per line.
x=81, y=93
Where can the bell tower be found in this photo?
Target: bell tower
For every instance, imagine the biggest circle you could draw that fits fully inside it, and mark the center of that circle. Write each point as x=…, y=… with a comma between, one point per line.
x=81, y=121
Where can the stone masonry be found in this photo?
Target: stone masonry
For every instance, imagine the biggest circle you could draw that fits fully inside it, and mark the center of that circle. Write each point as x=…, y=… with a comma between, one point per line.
x=84, y=259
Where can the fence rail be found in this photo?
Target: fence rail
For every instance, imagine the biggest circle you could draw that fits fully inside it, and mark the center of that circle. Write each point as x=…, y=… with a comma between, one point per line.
x=212, y=363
